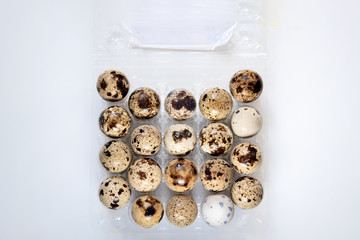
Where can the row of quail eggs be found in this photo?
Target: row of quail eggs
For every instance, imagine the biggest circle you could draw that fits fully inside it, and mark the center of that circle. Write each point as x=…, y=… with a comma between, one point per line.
x=181, y=174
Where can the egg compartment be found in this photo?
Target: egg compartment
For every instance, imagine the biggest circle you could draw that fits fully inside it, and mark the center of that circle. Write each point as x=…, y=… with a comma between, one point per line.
x=166, y=70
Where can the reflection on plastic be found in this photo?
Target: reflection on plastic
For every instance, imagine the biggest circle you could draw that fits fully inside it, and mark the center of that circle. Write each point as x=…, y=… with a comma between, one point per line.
x=183, y=25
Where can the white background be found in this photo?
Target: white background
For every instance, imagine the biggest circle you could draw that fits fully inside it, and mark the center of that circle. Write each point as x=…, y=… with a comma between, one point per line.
x=45, y=103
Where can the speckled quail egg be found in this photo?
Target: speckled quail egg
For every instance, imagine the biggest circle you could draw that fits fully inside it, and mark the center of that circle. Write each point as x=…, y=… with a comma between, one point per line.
x=112, y=85
x=246, y=158
x=181, y=175
x=146, y=140
x=216, y=175
x=246, y=122
x=115, y=122
x=246, y=86
x=215, y=104
x=114, y=192
x=180, y=139
x=247, y=192
x=147, y=211
x=144, y=175
x=144, y=103
x=181, y=210
x=216, y=139
x=180, y=104
x=115, y=156
x=217, y=210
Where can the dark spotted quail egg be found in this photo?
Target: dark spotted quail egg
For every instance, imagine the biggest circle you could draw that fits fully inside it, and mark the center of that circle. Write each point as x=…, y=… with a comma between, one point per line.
x=112, y=85
x=215, y=104
x=146, y=140
x=216, y=175
x=246, y=158
x=180, y=104
x=115, y=122
x=216, y=139
x=144, y=103
x=147, y=211
x=114, y=192
x=247, y=192
x=145, y=175
x=180, y=139
x=246, y=86
x=181, y=175
x=115, y=156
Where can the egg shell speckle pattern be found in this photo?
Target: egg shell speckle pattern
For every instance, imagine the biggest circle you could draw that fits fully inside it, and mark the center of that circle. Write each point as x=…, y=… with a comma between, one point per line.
x=146, y=140
x=247, y=192
x=216, y=139
x=217, y=210
x=181, y=175
x=147, y=211
x=246, y=122
x=180, y=139
x=180, y=104
x=144, y=103
x=112, y=85
x=114, y=192
x=181, y=210
x=246, y=86
x=115, y=156
x=215, y=104
x=246, y=158
x=144, y=175
x=115, y=122
x=216, y=175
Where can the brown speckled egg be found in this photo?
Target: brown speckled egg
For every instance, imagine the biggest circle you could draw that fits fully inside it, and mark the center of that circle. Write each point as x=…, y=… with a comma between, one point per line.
x=216, y=139
x=115, y=122
x=146, y=140
x=114, y=192
x=180, y=139
x=215, y=104
x=181, y=210
x=115, y=156
x=112, y=85
x=144, y=175
x=216, y=175
x=147, y=211
x=246, y=122
x=246, y=86
x=180, y=104
x=181, y=175
x=246, y=158
x=144, y=103
x=246, y=192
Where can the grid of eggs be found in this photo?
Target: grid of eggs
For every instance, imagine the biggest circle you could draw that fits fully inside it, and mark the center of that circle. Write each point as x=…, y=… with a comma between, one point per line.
x=143, y=174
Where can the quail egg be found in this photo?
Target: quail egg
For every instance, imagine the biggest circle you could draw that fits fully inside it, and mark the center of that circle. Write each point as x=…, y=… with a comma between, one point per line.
x=247, y=192
x=144, y=103
x=216, y=139
x=215, y=104
x=180, y=104
x=144, y=175
x=146, y=140
x=246, y=86
x=115, y=156
x=112, y=85
x=246, y=122
x=216, y=175
x=147, y=211
x=114, y=192
x=181, y=175
x=217, y=210
x=180, y=139
x=246, y=158
x=115, y=122
x=181, y=210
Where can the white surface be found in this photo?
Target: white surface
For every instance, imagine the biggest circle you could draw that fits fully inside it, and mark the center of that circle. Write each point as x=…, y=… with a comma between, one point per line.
x=45, y=74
